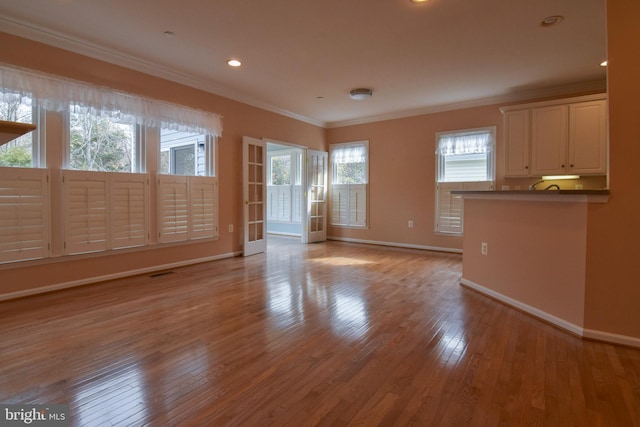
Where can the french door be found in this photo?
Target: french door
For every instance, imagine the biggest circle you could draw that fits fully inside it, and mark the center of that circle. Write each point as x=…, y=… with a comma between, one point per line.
x=254, y=193
x=315, y=229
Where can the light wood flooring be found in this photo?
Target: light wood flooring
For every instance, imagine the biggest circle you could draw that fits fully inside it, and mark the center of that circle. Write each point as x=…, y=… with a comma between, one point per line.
x=330, y=334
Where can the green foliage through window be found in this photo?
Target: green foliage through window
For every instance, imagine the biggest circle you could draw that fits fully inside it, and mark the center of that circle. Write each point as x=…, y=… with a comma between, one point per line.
x=19, y=152
x=99, y=143
x=281, y=170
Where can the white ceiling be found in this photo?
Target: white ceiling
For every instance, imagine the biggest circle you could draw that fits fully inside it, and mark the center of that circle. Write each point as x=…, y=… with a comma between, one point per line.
x=301, y=58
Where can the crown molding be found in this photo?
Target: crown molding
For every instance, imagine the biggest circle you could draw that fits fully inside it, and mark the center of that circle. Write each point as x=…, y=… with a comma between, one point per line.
x=554, y=91
x=51, y=38
x=81, y=47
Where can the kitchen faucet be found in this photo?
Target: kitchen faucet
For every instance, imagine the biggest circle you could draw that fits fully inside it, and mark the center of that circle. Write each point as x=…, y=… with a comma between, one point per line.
x=533, y=186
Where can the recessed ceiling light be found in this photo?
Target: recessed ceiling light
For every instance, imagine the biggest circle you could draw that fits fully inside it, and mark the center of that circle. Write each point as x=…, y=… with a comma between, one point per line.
x=419, y=1
x=603, y=64
x=360, y=93
x=169, y=34
x=234, y=63
x=551, y=20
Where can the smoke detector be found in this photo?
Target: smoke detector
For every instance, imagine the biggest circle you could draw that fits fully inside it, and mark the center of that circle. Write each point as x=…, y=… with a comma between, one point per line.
x=360, y=93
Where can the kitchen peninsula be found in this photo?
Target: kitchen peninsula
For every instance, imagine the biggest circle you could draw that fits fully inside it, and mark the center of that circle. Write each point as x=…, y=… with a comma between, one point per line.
x=528, y=249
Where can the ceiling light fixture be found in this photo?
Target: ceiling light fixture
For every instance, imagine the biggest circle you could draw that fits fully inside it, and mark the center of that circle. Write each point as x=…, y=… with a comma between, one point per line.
x=360, y=93
x=234, y=62
x=603, y=64
x=169, y=34
x=419, y=1
x=551, y=20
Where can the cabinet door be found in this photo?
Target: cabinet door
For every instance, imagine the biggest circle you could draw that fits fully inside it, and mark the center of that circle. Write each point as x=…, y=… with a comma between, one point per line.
x=516, y=137
x=549, y=136
x=588, y=138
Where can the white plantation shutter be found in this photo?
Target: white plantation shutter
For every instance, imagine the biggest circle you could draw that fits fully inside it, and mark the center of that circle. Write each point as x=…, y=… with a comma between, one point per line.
x=129, y=210
x=173, y=208
x=349, y=184
x=349, y=205
x=24, y=214
x=187, y=207
x=450, y=207
x=296, y=214
x=86, y=220
x=358, y=205
x=339, y=204
x=203, y=203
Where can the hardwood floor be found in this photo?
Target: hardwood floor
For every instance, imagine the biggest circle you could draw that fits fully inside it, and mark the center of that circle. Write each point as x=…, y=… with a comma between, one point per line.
x=329, y=334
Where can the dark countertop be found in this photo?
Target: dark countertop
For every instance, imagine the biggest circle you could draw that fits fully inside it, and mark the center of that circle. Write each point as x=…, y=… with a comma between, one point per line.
x=535, y=192
x=580, y=196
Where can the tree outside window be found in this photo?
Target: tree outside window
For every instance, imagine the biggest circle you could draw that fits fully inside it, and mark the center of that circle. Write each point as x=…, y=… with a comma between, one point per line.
x=19, y=152
x=281, y=170
x=100, y=143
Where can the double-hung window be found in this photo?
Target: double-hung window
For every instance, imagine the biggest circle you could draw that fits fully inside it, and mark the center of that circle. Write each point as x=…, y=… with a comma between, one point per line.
x=284, y=186
x=26, y=151
x=24, y=183
x=349, y=183
x=464, y=161
x=103, y=200
x=106, y=191
x=187, y=186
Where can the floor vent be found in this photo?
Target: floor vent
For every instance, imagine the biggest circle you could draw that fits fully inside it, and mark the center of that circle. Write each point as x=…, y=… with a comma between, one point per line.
x=161, y=273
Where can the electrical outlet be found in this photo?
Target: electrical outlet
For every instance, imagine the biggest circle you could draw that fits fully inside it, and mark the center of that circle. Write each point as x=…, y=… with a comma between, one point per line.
x=230, y=228
x=410, y=224
x=484, y=248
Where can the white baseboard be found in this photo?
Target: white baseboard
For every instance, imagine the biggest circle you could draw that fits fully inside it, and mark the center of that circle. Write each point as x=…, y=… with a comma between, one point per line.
x=612, y=338
x=561, y=323
x=395, y=244
x=113, y=276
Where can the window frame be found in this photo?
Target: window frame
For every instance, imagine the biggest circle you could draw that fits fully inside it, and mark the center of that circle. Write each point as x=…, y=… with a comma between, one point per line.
x=449, y=208
x=138, y=148
x=209, y=154
x=38, y=146
x=356, y=212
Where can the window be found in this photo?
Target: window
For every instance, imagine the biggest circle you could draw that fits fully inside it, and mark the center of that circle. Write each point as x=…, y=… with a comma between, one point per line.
x=349, y=183
x=187, y=186
x=100, y=141
x=284, y=186
x=104, y=202
x=464, y=161
x=186, y=153
x=25, y=150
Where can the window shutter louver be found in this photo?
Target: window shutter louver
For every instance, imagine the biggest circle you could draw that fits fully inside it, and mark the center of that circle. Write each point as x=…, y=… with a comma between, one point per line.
x=129, y=210
x=203, y=192
x=357, y=204
x=86, y=226
x=450, y=208
x=173, y=208
x=339, y=204
x=297, y=204
x=24, y=214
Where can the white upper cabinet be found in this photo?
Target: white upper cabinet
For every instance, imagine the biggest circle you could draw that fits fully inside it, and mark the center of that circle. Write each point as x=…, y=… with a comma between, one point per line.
x=588, y=138
x=517, y=136
x=549, y=134
x=556, y=137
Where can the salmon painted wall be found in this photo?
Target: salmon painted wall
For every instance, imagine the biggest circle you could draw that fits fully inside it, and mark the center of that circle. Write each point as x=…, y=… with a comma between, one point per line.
x=536, y=253
x=238, y=120
x=612, y=277
x=402, y=172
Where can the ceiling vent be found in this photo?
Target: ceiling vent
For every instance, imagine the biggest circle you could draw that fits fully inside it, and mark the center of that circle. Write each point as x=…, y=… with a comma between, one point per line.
x=360, y=93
